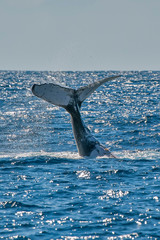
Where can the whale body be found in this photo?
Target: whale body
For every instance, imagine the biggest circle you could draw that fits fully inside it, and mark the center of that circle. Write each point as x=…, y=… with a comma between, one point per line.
x=71, y=100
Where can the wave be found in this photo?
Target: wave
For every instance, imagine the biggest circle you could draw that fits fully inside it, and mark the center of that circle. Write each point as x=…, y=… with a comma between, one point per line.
x=13, y=204
x=37, y=158
x=139, y=154
x=41, y=154
x=125, y=154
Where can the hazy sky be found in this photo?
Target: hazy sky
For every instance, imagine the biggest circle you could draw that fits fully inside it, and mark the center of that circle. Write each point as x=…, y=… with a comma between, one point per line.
x=79, y=35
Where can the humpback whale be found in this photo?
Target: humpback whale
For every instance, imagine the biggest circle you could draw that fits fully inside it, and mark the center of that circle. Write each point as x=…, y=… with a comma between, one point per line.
x=71, y=100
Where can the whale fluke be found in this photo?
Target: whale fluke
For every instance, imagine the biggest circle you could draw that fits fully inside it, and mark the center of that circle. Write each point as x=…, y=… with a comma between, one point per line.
x=62, y=96
x=71, y=100
x=53, y=93
x=86, y=91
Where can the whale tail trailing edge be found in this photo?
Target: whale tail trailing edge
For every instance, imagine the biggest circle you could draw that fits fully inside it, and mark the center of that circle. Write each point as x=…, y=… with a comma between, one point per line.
x=63, y=96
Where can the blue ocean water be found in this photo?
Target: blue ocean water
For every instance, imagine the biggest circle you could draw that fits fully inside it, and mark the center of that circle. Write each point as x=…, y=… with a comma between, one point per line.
x=48, y=192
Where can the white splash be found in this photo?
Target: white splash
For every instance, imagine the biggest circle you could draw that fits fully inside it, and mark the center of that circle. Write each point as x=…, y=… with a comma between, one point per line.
x=67, y=155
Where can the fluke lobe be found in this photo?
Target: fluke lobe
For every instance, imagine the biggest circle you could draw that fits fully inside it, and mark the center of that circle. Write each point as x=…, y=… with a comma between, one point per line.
x=71, y=100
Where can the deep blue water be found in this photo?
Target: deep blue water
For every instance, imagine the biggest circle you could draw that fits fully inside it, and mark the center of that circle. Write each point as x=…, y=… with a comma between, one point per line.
x=48, y=192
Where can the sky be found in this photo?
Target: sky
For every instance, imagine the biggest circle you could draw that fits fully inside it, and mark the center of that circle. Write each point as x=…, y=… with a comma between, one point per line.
x=79, y=35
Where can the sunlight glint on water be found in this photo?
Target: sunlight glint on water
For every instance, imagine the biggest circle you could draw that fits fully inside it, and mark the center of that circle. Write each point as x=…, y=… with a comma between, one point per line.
x=48, y=192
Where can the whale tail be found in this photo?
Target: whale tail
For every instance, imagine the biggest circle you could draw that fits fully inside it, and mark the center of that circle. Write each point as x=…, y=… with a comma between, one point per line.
x=64, y=96
x=71, y=100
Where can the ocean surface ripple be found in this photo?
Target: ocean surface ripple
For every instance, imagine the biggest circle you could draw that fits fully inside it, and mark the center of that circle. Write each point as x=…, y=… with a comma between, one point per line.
x=48, y=192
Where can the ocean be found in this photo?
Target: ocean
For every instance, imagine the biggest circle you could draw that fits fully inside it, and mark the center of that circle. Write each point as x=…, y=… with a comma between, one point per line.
x=47, y=191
